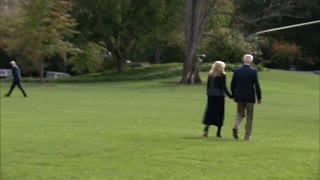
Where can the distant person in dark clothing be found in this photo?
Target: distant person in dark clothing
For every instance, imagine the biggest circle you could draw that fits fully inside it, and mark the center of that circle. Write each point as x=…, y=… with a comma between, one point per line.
x=16, y=73
x=216, y=90
x=245, y=87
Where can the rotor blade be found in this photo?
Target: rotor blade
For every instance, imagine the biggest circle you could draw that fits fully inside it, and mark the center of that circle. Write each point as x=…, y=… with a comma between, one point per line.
x=287, y=27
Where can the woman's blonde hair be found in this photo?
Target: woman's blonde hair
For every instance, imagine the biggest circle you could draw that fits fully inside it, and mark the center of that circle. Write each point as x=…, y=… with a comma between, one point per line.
x=217, y=69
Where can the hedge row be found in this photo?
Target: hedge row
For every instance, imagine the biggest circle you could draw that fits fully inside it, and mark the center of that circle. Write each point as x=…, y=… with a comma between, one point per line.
x=158, y=71
x=205, y=67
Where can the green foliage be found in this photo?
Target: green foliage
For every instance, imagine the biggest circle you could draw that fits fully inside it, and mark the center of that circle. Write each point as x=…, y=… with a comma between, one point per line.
x=220, y=19
x=119, y=26
x=289, y=13
x=39, y=31
x=173, y=54
x=308, y=63
x=205, y=67
x=221, y=40
x=82, y=63
x=45, y=25
x=264, y=14
x=152, y=130
x=223, y=51
x=166, y=42
x=156, y=71
x=168, y=54
x=90, y=60
x=228, y=47
x=259, y=67
x=10, y=23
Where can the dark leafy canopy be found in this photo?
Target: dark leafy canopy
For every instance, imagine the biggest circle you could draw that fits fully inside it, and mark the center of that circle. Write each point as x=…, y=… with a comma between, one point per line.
x=39, y=31
x=167, y=39
x=259, y=15
x=116, y=18
x=290, y=12
x=117, y=25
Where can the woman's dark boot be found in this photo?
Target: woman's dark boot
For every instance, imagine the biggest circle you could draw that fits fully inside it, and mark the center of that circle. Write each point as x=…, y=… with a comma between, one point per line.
x=205, y=131
x=219, y=132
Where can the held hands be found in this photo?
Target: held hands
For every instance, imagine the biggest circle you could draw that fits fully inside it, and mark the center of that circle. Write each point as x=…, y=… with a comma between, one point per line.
x=233, y=98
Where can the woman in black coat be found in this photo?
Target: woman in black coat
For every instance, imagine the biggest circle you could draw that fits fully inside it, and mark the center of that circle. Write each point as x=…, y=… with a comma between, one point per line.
x=216, y=90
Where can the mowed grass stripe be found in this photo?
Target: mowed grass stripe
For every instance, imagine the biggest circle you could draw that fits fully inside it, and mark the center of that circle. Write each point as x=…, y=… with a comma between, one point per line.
x=152, y=130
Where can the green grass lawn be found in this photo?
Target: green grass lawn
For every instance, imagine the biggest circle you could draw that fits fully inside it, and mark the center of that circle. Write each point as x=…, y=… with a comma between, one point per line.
x=152, y=130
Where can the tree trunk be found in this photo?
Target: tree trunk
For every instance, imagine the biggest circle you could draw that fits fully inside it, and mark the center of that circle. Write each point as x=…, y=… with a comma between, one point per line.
x=195, y=17
x=157, y=55
x=119, y=54
x=120, y=60
x=191, y=71
x=65, y=61
x=41, y=71
x=121, y=65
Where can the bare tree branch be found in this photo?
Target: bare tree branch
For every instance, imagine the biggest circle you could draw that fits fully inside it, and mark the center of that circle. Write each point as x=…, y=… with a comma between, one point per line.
x=253, y=20
x=210, y=11
x=100, y=44
x=212, y=35
x=275, y=9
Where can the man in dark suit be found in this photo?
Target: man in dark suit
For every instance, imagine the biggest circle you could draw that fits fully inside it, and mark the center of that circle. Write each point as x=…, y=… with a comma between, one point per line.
x=16, y=73
x=245, y=87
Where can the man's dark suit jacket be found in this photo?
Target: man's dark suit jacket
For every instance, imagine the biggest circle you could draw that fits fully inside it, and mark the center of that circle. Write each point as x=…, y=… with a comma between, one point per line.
x=245, y=84
x=16, y=73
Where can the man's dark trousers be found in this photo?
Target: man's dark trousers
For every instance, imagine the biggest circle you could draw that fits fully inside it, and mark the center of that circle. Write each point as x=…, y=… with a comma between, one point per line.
x=14, y=84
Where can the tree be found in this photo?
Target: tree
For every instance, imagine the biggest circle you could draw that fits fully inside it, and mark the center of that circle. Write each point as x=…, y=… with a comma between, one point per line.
x=292, y=12
x=243, y=13
x=91, y=59
x=118, y=26
x=7, y=21
x=265, y=14
x=41, y=31
x=222, y=42
x=169, y=32
x=195, y=23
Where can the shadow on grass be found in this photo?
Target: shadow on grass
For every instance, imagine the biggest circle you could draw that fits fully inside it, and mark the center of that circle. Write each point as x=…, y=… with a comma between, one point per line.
x=178, y=83
x=215, y=139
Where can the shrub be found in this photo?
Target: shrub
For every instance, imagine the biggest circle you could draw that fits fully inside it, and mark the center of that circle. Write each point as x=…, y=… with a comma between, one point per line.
x=308, y=63
x=229, y=47
x=205, y=67
x=285, y=55
x=88, y=61
x=158, y=71
x=223, y=51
